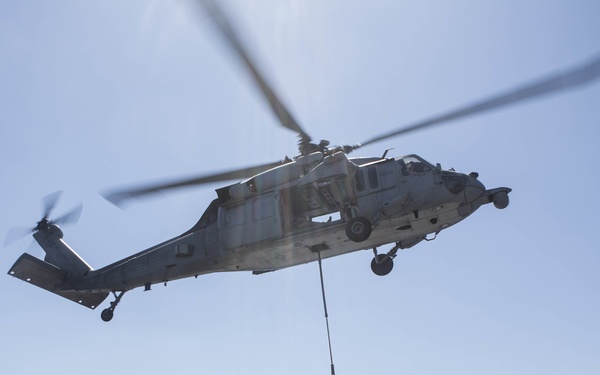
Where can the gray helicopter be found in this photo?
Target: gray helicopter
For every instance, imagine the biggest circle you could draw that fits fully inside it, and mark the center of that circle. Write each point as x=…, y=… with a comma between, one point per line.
x=320, y=203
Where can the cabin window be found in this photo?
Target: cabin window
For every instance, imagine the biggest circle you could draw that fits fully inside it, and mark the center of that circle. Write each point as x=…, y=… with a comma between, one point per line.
x=359, y=179
x=184, y=250
x=262, y=208
x=235, y=216
x=373, y=179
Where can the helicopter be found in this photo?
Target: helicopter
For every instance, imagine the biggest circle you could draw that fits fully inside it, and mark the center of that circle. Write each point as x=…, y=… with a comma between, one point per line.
x=272, y=218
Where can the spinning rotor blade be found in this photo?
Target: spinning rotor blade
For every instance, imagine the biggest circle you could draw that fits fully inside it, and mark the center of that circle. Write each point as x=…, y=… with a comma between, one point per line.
x=15, y=234
x=70, y=217
x=119, y=197
x=228, y=32
x=49, y=202
x=567, y=79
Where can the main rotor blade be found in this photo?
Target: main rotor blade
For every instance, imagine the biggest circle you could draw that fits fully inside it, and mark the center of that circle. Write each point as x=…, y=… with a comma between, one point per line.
x=228, y=32
x=119, y=197
x=566, y=79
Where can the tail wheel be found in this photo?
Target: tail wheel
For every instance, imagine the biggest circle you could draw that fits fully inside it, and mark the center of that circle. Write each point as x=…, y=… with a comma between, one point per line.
x=107, y=314
x=359, y=229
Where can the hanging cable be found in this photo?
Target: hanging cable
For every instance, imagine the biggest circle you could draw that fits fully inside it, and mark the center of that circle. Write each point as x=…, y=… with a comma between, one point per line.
x=326, y=315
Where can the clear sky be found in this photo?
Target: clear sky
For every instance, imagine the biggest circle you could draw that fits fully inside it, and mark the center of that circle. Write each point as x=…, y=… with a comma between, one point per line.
x=102, y=94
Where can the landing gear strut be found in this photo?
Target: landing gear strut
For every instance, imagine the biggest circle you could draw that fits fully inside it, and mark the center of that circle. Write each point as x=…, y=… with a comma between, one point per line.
x=107, y=314
x=382, y=264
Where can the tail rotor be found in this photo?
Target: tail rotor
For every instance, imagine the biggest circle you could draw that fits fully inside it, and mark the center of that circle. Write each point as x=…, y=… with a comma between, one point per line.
x=49, y=202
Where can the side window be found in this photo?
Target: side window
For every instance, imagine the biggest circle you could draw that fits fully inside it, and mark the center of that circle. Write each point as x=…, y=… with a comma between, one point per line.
x=359, y=179
x=373, y=179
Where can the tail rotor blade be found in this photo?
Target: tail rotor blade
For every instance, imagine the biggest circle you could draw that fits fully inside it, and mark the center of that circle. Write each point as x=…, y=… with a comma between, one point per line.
x=15, y=234
x=70, y=217
x=49, y=202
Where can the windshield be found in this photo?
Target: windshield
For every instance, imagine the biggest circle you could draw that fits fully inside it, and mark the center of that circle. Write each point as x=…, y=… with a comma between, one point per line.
x=412, y=164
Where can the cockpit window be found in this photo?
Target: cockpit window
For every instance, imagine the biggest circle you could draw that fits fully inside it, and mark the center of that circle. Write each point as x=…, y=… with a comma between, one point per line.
x=414, y=165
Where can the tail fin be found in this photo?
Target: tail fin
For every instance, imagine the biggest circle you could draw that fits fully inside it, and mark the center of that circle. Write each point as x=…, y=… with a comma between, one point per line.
x=59, y=253
x=62, y=271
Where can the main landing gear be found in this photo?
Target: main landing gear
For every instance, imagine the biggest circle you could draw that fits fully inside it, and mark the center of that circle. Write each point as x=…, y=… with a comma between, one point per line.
x=359, y=229
x=107, y=314
x=382, y=264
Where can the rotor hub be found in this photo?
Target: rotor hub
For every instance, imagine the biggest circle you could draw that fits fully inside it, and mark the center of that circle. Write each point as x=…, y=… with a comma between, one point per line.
x=43, y=224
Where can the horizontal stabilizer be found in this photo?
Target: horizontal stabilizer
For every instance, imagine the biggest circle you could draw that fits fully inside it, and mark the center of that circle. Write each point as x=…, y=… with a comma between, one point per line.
x=53, y=279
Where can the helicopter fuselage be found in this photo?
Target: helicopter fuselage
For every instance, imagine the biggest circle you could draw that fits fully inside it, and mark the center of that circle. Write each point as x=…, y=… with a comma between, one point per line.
x=317, y=206
x=284, y=216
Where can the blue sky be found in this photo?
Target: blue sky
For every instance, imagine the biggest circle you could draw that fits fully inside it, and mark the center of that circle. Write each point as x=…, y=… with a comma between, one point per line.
x=96, y=95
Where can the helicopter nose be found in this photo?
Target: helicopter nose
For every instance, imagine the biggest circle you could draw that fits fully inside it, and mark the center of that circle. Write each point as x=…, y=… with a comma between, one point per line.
x=474, y=188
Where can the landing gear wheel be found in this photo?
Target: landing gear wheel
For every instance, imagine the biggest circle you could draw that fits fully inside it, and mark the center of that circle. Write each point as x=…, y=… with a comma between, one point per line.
x=359, y=229
x=107, y=314
x=382, y=265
